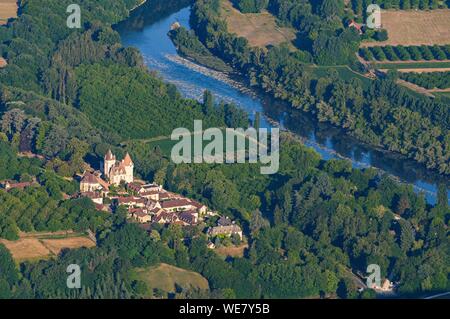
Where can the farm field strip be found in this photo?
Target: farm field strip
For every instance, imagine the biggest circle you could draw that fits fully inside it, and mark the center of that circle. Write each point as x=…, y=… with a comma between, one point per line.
x=412, y=65
x=420, y=70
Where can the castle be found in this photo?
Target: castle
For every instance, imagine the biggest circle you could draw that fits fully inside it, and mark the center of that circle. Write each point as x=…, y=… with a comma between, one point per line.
x=116, y=171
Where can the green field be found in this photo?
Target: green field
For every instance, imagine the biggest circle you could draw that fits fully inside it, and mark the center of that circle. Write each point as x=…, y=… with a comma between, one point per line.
x=344, y=72
x=165, y=144
x=165, y=277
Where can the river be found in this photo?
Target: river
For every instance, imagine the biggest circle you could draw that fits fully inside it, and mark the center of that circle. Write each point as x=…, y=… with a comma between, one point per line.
x=147, y=29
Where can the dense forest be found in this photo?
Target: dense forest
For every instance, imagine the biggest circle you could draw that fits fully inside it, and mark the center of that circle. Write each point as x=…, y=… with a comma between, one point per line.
x=310, y=224
x=380, y=112
x=309, y=227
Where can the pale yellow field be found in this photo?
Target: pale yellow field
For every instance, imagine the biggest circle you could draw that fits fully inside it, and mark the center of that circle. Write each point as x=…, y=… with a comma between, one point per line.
x=36, y=246
x=26, y=249
x=260, y=29
x=415, y=27
x=8, y=9
x=56, y=245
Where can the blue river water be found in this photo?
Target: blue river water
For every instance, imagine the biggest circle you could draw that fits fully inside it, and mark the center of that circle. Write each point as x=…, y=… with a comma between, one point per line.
x=149, y=34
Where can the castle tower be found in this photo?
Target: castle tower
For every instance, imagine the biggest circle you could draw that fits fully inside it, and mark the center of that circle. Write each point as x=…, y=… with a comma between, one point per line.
x=129, y=168
x=109, y=162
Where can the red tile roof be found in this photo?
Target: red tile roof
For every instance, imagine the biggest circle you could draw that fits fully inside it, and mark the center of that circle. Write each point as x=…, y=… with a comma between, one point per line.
x=89, y=178
x=175, y=203
x=3, y=62
x=109, y=156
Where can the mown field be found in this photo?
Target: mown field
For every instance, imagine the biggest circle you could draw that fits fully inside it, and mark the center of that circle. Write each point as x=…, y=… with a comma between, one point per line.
x=260, y=29
x=410, y=27
x=39, y=246
x=165, y=277
x=8, y=9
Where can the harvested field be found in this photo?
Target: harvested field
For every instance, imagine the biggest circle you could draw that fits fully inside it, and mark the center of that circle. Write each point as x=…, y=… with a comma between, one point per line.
x=38, y=246
x=56, y=245
x=260, y=29
x=26, y=249
x=8, y=9
x=415, y=27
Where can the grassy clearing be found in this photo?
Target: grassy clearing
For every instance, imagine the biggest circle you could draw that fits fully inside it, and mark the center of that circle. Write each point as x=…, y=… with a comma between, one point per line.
x=344, y=72
x=166, y=144
x=410, y=27
x=232, y=251
x=165, y=277
x=260, y=29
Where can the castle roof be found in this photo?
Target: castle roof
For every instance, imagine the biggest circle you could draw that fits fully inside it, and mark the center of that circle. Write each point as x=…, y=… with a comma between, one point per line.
x=109, y=156
x=127, y=160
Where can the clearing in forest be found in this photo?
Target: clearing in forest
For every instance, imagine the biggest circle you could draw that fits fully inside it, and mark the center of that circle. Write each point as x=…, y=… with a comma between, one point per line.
x=165, y=277
x=260, y=29
x=232, y=251
x=8, y=9
x=410, y=27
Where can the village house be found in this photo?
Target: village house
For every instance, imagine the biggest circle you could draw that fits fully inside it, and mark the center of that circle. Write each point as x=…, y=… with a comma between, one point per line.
x=96, y=197
x=141, y=189
x=227, y=231
x=189, y=218
x=357, y=26
x=92, y=183
x=132, y=201
x=118, y=171
x=141, y=215
x=177, y=205
x=165, y=218
x=224, y=221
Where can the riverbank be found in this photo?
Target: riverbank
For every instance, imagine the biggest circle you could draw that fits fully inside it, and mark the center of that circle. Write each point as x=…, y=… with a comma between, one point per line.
x=189, y=47
x=341, y=101
x=160, y=55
